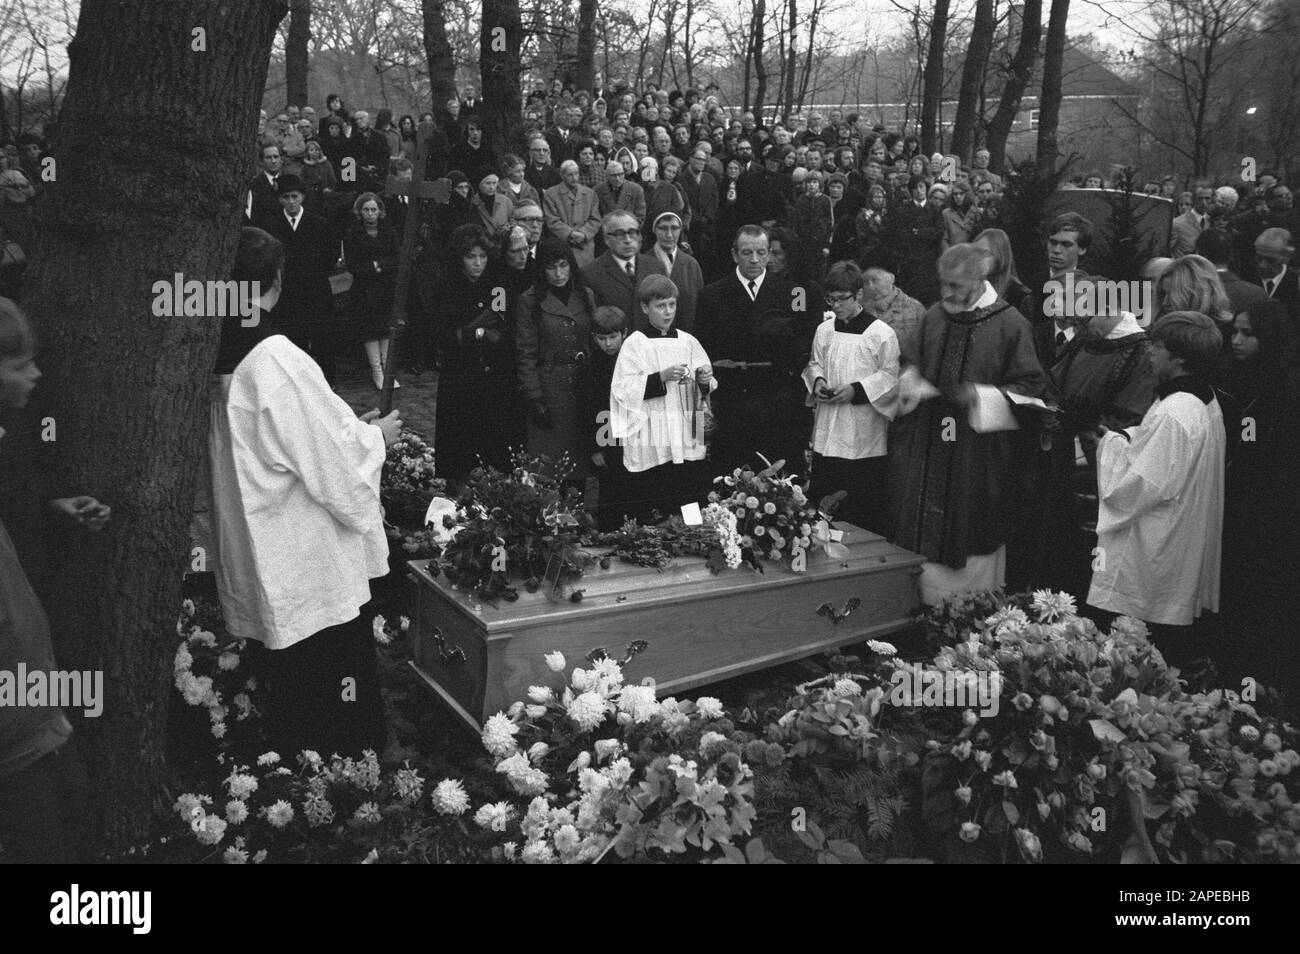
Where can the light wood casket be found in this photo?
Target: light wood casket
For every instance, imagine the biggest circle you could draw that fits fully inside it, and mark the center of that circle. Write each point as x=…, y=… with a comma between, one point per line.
x=701, y=627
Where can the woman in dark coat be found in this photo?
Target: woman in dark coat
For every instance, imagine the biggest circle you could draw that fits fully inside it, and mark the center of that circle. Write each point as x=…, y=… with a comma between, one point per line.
x=372, y=252
x=553, y=338
x=477, y=414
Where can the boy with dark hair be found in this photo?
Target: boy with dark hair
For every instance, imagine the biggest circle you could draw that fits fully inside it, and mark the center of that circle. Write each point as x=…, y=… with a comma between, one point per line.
x=609, y=329
x=1160, y=488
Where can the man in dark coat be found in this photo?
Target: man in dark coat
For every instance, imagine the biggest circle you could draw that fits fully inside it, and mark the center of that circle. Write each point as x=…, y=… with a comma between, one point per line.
x=263, y=199
x=702, y=196
x=761, y=192
x=915, y=231
x=1273, y=251
x=751, y=326
x=540, y=174
x=472, y=156
x=1216, y=245
x=311, y=250
x=371, y=151
x=615, y=275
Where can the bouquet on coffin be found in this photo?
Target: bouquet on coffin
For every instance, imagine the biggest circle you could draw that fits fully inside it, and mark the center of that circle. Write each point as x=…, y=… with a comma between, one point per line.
x=522, y=525
x=765, y=515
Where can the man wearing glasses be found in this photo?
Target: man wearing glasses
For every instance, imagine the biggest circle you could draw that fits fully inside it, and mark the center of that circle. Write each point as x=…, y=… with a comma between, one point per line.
x=615, y=275
x=540, y=174
x=528, y=216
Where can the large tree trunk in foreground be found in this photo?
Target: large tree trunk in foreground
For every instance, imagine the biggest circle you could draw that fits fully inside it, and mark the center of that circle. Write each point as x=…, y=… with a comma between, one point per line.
x=500, y=38
x=153, y=154
x=437, y=50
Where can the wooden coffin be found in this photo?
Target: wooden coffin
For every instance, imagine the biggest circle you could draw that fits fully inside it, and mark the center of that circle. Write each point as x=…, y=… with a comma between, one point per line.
x=700, y=627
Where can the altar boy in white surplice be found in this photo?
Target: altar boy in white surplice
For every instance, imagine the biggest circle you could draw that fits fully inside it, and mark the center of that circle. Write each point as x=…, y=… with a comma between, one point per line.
x=852, y=380
x=1160, y=488
x=661, y=383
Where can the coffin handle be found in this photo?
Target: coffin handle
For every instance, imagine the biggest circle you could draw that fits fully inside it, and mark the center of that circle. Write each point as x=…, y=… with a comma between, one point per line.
x=445, y=655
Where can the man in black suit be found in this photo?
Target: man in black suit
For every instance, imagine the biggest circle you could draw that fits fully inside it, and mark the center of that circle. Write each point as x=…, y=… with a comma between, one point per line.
x=757, y=330
x=915, y=229
x=263, y=202
x=701, y=191
x=615, y=276
x=1055, y=326
x=563, y=137
x=310, y=251
x=469, y=102
x=1273, y=251
x=371, y=150
x=761, y=192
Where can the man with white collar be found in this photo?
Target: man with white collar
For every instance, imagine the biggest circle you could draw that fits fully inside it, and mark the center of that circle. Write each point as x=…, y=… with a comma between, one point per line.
x=263, y=202
x=615, y=275
x=1273, y=251
x=1068, y=238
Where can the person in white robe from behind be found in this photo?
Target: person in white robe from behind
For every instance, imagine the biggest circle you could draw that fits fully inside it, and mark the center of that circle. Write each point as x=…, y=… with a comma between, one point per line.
x=661, y=383
x=1160, y=487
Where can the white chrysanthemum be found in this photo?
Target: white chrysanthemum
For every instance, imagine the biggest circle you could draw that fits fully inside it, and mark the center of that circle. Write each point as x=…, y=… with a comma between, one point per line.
x=608, y=671
x=881, y=648
x=228, y=661
x=310, y=758
x=367, y=813
x=204, y=638
x=499, y=735
x=567, y=840
x=538, y=853
x=523, y=777
x=509, y=849
x=186, y=804
x=606, y=748
x=241, y=785
x=260, y=856
x=587, y=710
x=1129, y=626
x=538, y=751
x=846, y=687
x=494, y=816
x=639, y=702
x=211, y=831
x=279, y=814
x=1051, y=606
x=535, y=711
x=711, y=740
x=234, y=856
x=1008, y=619
x=266, y=758
x=709, y=707
x=581, y=680
x=379, y=628
x=404, y=623
x=540, y=694
x=187, y=607
x=184, y=661
x=218, y=730
x=236, y=811
x=555, y=662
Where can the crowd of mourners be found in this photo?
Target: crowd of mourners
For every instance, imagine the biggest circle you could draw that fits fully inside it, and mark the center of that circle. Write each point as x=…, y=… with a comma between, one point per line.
x=652, y=290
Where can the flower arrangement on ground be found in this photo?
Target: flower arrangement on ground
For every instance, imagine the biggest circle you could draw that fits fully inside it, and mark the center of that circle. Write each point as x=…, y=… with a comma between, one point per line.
x=1096, y=750
x=209, y=672
x=605, y=764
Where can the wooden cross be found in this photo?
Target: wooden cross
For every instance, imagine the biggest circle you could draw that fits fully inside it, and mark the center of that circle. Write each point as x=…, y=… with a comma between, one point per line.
x=416, y=189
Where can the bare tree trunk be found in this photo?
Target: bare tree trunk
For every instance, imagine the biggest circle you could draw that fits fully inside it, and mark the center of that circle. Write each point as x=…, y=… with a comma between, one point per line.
x=760, y=69
x=645, y=42
x=670, y=13
x=791, y=60
x=972, y=80
x=438, y=53
x=587, y=45
x=296, y=52
x=500, y=37
x=688, y=44
x=932, y=90
x=808, y=56
x=1049, y=107
x=129, y=390
x=1021, y=71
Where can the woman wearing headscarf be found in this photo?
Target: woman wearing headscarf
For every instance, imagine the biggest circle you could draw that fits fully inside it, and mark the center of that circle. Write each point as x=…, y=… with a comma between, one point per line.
x=660, y=196
x=552, y=339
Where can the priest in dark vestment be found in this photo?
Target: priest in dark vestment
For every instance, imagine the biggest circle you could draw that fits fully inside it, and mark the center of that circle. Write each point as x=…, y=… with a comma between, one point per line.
x=952, y=486
x=1103, y=377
